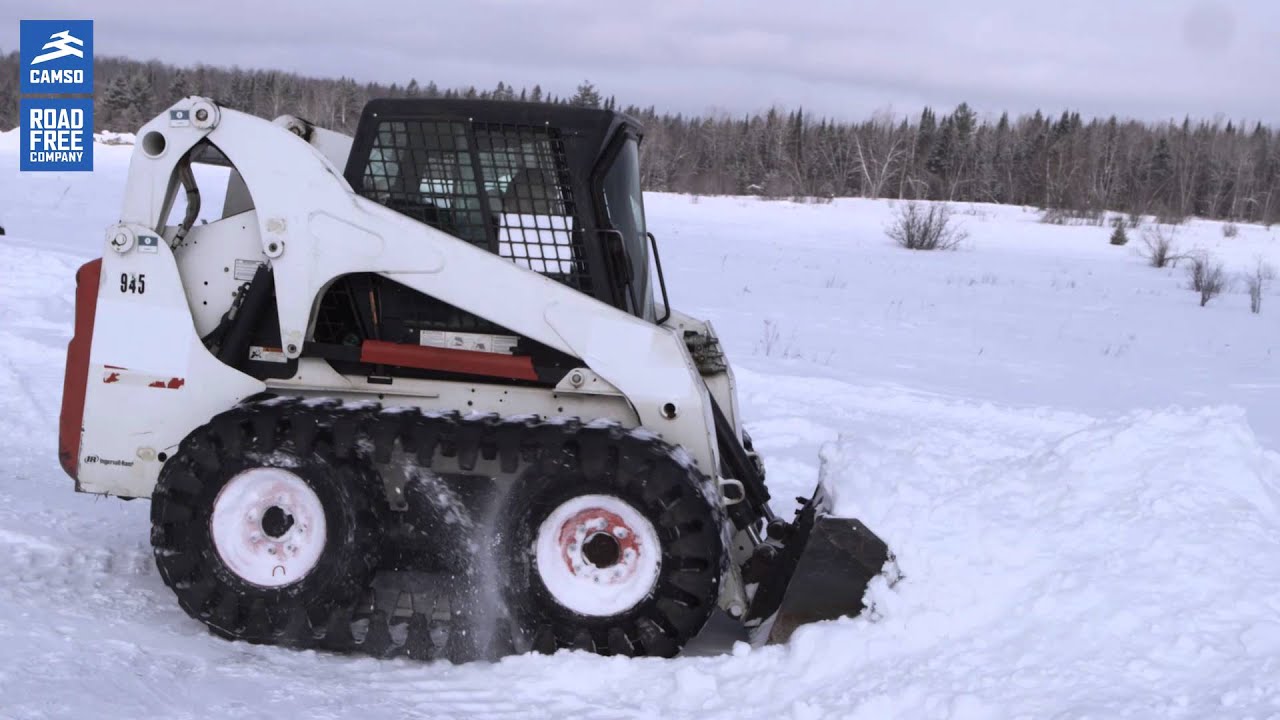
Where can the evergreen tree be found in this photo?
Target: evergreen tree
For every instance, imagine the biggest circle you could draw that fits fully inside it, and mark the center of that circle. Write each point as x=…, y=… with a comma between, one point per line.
x=241, y=97
x=587, y=96
x=939, y=162
x=140, y=96
x=179, y=86
x=117, y=101
x=965, y=121
x=1118, y=235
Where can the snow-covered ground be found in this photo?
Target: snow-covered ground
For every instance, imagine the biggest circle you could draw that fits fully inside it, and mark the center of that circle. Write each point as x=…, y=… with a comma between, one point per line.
x=1074, y=462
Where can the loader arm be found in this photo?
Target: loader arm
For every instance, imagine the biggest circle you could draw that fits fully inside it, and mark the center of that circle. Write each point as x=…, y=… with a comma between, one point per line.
x=314, y=229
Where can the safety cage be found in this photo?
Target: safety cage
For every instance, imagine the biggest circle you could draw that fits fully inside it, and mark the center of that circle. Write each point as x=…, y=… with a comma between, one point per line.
x=537, y=184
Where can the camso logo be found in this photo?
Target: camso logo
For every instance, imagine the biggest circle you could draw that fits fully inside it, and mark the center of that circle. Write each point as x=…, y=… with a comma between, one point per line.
x=63, y=44
x=57, y=57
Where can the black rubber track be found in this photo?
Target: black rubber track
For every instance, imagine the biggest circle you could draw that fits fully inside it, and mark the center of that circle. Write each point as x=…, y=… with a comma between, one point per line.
x=494, y=605
x=270, y=434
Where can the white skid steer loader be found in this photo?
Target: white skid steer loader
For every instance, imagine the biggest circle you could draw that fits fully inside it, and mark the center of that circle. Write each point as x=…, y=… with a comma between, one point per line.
x=412, y=395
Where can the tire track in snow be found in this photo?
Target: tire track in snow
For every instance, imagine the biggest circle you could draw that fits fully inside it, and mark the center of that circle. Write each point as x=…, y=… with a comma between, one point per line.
x=11, y=378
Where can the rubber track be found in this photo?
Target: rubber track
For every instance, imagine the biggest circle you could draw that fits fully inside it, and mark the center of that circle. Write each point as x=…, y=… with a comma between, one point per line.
x=400, y=613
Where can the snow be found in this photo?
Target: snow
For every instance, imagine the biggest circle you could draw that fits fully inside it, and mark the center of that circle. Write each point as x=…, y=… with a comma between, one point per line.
x=1074, y=463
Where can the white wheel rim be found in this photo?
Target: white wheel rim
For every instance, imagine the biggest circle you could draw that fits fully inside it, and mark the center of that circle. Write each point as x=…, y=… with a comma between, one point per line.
x=574, y=546
x=268, y=527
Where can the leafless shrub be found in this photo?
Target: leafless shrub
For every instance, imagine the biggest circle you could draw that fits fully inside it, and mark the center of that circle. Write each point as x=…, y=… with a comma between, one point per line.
x=811, y=199
x=1195, y=273
x=1158, y=247
x=1208, y=277
x=1062, y=216
x=1134, y=220
x=772, y=344
x=835, y=282
x=1054, y=216
x=1257, y=281
x=770, y=340
x=925, y=227
x=974, y=280
x=1230, y=230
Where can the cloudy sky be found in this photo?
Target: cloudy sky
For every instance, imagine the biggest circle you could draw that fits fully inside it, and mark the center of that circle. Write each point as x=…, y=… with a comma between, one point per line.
x=1151, y=59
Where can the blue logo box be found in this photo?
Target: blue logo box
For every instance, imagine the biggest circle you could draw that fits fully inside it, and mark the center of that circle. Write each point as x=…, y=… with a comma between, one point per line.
x=56, y=57
x=57, y=134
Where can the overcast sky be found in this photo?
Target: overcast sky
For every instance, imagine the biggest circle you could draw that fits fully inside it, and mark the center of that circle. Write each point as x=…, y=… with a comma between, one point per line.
x=1151, y=59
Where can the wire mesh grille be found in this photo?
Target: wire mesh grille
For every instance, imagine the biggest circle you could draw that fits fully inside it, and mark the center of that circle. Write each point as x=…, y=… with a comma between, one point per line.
x=525, y=168
x=423, y=169
x=502, y=187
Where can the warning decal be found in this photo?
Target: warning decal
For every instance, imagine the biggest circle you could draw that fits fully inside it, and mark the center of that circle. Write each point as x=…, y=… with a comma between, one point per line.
x=476, y=342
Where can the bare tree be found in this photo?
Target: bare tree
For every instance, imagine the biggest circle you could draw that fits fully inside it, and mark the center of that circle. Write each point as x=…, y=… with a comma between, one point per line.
x=878, y=149
x=1257, y=281
x=925, y=226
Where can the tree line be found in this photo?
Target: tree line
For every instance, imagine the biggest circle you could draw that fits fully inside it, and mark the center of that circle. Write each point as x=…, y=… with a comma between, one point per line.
x=1074, y=168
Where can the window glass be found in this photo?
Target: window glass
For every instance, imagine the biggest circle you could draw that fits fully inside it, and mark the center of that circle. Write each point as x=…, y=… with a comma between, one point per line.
x=624, y=204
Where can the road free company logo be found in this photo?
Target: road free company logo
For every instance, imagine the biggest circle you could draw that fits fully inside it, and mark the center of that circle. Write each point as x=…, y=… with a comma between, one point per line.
x=57, y=134
x=56, y=58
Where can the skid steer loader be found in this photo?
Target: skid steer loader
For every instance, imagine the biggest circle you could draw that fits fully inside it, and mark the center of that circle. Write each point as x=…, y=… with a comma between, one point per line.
x=413, y=394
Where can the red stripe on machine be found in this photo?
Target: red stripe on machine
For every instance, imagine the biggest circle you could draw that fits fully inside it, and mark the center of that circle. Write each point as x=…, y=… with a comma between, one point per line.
x=467, y=362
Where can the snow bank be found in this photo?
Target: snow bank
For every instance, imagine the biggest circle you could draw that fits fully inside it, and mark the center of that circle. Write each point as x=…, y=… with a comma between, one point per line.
x=11, y=139
x=1103, y=572
x=107, y=137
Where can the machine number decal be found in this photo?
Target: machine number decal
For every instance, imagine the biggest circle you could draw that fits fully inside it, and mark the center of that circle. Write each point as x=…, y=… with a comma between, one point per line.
x=131, y=283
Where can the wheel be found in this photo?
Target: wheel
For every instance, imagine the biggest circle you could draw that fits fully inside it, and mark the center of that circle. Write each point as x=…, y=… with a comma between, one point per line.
x=613, y=546
x=261, y=530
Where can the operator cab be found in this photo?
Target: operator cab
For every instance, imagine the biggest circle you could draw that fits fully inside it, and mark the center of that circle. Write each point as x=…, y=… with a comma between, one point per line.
x=554, y=188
